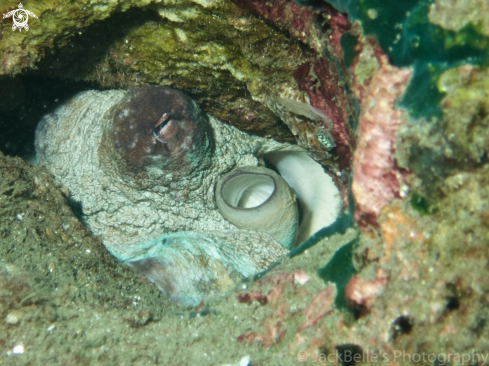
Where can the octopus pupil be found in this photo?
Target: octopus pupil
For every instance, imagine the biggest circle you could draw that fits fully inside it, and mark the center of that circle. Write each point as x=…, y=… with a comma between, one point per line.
x=158, y=128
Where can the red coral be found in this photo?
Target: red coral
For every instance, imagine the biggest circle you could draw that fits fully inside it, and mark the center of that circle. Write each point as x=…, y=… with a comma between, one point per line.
x=302, y=22
x=284, y=14
x=319, y=308
x=253, y=295
x=328, y=97
x=273, y=334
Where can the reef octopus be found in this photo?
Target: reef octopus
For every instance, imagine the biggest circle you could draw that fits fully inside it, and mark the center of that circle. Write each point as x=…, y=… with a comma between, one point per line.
x=144, y=164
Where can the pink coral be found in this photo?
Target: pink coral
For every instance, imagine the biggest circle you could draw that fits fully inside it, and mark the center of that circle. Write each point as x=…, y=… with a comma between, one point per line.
x=360, y=292
x=375, y=177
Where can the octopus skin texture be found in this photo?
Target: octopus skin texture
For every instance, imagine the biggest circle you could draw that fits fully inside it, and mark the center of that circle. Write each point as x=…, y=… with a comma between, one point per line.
x=143, y=163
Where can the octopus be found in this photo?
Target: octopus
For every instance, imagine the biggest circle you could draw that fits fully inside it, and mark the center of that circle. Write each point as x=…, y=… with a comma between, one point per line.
x=144, y=165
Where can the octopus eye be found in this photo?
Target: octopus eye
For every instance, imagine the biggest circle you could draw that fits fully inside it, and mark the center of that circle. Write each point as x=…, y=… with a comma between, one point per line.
x=165, y=128
x=171, y=131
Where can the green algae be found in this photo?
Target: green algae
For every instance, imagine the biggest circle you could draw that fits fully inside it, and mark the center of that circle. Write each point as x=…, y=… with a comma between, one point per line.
x=348, y=42
x=405, y=34
x=408, y=38
x=457, y=139
x=419, y=203
x=339, y=270
x=422, y=97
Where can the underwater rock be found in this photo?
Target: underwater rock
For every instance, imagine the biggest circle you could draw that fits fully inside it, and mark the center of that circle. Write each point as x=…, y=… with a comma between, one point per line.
x=465, y=110
x=321, y=78
x=456, y=14
x=248, y=62
x=144, y=163
x=44, y=242
x=22, y=50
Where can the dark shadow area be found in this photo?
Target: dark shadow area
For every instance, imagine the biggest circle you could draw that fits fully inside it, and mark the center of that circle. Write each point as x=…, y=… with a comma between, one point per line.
x=349, y=354
x=453, y=297
x=24, y=100
x=83, y=53
x=63, y=72
x=402, y=325
x=77, y=209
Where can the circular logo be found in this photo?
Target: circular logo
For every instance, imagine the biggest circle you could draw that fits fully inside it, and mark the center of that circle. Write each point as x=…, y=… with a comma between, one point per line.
x=20, y=17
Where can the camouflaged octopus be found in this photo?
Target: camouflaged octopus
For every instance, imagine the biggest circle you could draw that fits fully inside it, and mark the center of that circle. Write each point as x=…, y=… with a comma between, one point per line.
x=177, y=194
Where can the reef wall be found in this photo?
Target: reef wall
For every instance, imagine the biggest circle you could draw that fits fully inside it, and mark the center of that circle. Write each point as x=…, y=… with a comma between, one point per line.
x=237, y=67
x=391, y=95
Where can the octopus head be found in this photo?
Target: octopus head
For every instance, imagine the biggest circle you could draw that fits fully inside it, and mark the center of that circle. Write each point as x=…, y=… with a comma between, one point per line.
x=157, y=130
